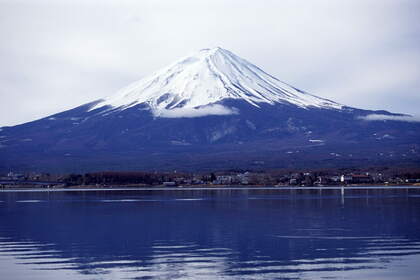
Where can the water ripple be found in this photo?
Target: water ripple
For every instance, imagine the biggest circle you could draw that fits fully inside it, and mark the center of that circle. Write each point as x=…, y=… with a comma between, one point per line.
x=78, y=237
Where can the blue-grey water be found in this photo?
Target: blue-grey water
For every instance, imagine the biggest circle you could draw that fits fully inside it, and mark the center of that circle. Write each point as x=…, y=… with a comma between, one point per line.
x=211, y=234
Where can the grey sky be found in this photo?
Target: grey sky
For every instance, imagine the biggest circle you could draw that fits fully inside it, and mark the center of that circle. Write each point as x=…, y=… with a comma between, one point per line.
x=56, y=55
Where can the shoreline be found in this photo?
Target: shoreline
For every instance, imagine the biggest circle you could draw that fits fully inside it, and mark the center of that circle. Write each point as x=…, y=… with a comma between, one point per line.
x=218, y=187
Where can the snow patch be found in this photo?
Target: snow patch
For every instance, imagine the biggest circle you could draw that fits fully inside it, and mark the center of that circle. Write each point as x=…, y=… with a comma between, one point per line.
x=385, y=136
x=379, y=117
x=219, y=134
x=251, y=125
x=180, y=143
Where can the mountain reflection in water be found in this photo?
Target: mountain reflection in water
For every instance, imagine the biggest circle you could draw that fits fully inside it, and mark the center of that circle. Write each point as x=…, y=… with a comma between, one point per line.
x=211, y=234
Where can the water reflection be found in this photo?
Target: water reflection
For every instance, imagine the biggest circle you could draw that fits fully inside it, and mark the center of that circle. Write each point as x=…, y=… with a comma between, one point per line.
x=209, y=234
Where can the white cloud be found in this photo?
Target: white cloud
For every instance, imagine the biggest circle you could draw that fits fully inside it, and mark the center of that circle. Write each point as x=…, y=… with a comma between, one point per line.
x=215, y=109
x=379, y=117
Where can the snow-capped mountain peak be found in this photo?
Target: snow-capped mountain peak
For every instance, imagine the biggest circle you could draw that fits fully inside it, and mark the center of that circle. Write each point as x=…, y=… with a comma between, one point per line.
x=197, y=84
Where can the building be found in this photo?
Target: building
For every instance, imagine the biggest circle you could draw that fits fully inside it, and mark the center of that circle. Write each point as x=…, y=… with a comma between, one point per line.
x=356, y=179
x=223, y=180
x=15, y=176
x=346, y=179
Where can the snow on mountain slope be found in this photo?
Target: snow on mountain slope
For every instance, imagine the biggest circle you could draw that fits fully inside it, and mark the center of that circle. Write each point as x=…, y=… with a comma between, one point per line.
x=194, y=85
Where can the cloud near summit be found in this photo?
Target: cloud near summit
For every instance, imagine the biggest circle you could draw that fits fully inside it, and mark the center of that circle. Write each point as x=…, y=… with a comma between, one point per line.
x=380, y=117
x=215, y=109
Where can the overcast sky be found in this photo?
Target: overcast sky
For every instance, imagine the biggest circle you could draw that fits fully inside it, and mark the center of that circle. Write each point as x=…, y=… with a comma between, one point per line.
x=56, y=55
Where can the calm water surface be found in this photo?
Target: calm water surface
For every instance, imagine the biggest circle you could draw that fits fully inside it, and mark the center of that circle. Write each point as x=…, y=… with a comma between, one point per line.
x=211, y=234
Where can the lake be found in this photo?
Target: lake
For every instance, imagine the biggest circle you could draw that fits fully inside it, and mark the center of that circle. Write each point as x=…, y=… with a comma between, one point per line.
x=271, y=233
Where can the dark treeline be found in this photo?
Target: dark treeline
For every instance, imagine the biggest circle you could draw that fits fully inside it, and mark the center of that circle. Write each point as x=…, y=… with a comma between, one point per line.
x=112, y=178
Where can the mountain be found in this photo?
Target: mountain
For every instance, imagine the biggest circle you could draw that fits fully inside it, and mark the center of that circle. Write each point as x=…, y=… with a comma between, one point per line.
x=199, y=81
x=210, y=110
